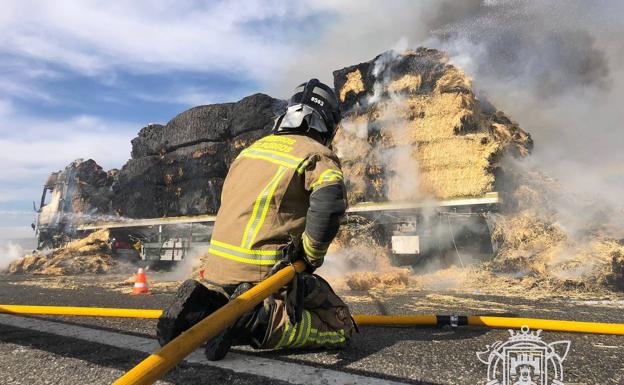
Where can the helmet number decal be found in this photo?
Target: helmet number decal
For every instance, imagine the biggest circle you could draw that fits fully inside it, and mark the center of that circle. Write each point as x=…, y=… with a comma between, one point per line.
x=317, y=101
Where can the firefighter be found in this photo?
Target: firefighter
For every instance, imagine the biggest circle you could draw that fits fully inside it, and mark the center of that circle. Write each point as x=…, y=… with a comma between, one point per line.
x=282, y=200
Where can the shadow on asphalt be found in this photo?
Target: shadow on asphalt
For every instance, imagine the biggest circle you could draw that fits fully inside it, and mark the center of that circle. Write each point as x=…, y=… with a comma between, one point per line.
x=93, y=352
x=372, y=340
x=89, y=325
x=122, y=359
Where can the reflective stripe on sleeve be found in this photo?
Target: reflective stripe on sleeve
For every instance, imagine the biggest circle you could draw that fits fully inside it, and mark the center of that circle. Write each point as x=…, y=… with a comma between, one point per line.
x=328, y=175
x=311, y=251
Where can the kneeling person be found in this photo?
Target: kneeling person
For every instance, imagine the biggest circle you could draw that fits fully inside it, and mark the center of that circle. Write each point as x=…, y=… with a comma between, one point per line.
x=282, y=200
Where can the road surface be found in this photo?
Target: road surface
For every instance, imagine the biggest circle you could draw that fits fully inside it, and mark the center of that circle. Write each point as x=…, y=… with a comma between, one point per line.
x=73, y=350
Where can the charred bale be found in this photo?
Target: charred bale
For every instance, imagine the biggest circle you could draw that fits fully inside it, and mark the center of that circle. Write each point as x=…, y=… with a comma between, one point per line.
x=149, y=141
x=178, y=169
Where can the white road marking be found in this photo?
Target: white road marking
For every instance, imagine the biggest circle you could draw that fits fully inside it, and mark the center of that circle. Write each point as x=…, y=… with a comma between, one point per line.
x=607, y=303
x=239, y=363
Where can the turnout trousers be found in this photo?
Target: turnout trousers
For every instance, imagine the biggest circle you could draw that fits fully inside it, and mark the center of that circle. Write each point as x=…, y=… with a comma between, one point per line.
x=325, y=320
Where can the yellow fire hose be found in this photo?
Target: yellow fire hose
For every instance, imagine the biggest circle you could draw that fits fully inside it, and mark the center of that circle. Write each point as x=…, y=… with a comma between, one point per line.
x=490, y=321
x=361, y=319
x=157, y=364
x=80, y=311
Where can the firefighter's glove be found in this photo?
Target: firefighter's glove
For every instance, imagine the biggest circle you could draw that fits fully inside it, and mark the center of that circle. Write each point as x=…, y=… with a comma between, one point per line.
x=279, y=265
x=312, y=264
x=292, y=252
x=294, y=293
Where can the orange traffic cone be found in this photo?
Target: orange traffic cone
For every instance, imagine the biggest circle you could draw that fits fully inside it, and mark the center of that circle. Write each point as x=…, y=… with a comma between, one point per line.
x=140, y=284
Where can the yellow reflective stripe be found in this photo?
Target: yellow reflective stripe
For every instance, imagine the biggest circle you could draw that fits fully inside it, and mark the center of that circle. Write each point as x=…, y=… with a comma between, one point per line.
x=240, y=254
x=280, y=158
x=251, y=261
x=276, y=143
x=328, y=176
x=292, y=335
x=302, y=167
x=312, y=251
x=272, y=146
x=304, y=329
x=277, y=154
x=331, y=333
x=304, y=326
x=258, y=155
x=327, y=338
x=261, y=207
x=308, y=328
x=266, y=208
x=224, y=245
x=282, y=340
x=303, y=334
x=335, y=336
x=299, y=328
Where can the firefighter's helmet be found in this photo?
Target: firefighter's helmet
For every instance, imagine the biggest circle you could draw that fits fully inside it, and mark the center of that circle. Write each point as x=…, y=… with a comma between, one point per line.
x=313, y=107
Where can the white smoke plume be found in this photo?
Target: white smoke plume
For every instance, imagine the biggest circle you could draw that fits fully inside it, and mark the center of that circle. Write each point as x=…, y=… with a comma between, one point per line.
x=184, y=269
x=9, y=252
x=556, y=67
x=397, y=160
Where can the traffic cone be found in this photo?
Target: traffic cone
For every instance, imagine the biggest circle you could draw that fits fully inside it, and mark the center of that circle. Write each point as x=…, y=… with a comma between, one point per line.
x=140, y=284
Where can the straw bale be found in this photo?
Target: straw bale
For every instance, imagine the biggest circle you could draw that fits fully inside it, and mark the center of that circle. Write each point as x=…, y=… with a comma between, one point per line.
x=456, y=182
x=408, y=82
x=354, y=84
x=420, y=100
x=91, y=254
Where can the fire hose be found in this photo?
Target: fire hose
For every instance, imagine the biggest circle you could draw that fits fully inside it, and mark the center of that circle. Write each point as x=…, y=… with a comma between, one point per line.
x=159, y=363
x=361, y=319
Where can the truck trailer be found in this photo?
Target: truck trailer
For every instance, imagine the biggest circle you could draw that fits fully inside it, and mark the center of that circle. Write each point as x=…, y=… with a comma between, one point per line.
x=455, y=229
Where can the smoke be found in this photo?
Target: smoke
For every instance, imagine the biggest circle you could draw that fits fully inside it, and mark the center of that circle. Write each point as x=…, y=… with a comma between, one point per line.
x=398, y=161
x=184, y=269
x=354, y=31
x=556, y=67
x=376, y=138
x=9, y=252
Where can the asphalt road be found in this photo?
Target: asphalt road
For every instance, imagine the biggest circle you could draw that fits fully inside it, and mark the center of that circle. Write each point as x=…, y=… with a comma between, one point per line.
x=410, y=355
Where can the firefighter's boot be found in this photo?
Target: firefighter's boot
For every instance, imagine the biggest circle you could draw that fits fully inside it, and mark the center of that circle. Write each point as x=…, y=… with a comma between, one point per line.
x=192, y=303
x=218, y=346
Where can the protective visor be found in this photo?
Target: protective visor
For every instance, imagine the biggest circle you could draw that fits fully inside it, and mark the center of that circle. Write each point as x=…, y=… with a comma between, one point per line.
x=296, y=114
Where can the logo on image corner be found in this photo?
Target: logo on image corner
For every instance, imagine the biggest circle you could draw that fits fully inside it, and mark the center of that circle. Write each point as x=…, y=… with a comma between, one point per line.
x=525, y=359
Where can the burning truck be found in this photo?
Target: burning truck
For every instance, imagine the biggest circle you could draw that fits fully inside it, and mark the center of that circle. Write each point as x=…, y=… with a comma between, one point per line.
x=421, y=154
x=455, y=226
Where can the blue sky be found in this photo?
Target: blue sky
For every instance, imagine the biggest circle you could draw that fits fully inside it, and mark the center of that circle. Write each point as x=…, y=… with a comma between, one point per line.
x=78, y=79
